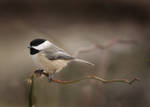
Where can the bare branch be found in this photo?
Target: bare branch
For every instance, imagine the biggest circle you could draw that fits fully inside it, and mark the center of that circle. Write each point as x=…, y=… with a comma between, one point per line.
x=94, y=77
x=103, y=47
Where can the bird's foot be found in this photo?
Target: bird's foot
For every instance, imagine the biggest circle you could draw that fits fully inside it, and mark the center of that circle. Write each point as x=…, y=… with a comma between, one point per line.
x=49, y=79
x=38, y=72
x=51, y=76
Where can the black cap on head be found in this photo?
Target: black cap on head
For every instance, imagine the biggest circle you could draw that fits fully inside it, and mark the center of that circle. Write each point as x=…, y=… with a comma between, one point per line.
x=37, y=42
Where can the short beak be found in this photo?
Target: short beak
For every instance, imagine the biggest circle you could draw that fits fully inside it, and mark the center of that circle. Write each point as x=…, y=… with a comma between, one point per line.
x=29, y=47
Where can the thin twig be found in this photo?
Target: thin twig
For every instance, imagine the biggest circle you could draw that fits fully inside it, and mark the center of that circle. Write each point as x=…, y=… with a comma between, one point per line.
x=103, y=47
x=94, y=77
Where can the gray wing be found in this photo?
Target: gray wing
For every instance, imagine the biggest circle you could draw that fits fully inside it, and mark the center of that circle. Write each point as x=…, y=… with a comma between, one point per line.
x=54, y=53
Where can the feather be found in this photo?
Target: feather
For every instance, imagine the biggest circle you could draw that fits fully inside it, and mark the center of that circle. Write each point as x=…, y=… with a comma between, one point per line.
x=83, y=61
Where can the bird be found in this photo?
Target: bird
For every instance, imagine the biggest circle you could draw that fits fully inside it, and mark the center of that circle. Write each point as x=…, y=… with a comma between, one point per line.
x=49, y=57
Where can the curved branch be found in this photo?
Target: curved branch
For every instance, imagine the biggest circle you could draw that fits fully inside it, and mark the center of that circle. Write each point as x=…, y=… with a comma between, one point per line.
x=96, y=78
x=104, y=47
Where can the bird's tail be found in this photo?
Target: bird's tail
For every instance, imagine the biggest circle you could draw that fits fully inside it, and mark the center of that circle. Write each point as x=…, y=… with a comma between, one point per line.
x=84, y=61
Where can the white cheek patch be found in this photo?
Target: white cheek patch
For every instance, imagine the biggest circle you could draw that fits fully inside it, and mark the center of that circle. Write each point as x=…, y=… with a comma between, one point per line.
x=44, y=45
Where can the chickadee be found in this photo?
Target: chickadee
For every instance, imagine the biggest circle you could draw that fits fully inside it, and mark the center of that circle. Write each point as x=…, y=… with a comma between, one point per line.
x=50, y=58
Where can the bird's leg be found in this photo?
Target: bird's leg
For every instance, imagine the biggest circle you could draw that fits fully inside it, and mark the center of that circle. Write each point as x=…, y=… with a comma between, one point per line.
x=38, y=72
x=51, y=75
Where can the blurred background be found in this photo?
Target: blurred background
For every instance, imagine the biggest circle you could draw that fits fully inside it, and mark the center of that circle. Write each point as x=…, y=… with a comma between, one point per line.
x=73, y=24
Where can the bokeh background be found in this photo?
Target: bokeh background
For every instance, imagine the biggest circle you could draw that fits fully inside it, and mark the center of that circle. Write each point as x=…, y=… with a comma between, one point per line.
x=73, y=24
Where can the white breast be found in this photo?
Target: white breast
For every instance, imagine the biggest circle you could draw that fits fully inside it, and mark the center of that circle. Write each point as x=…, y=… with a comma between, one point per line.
x=36, y=61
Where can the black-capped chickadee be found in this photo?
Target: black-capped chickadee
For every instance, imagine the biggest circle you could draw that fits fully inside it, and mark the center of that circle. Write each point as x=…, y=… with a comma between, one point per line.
x=50, y=58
